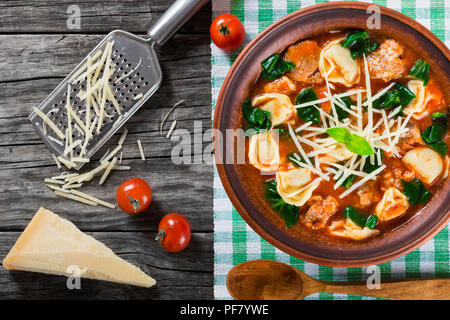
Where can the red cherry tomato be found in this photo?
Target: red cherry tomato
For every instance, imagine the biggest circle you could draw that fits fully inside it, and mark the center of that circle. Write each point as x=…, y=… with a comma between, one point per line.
x=174, y=232
x=134, y=195
x=227, y=32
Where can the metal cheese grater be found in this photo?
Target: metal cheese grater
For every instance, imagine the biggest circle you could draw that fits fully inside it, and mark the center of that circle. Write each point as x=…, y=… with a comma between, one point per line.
x=137, y=75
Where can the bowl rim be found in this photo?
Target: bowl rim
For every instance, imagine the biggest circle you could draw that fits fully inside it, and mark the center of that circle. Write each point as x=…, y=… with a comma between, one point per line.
x=221, y=167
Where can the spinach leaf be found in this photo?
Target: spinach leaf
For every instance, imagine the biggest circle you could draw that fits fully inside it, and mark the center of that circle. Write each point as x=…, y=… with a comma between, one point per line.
x=416, y=192
x=353, y=142
x=309, y=113
x=368, y=167
x=359, y=43
x=348, y=182
x=282, y=130
x=441, y=119
x=274, y=67
x=421, y=70
x=361, y=220
x=371, y=221
x=288, y=212
x=405, y=94
x=258, y=119
x=295, y=159
x=341, y=113
x=400, y=96
x=433, y=133
x=389, y=100
x=353, y=214
x=440, y=146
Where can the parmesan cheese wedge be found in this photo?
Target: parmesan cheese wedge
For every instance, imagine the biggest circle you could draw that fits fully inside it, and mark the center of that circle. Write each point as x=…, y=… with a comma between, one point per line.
x=51, y=244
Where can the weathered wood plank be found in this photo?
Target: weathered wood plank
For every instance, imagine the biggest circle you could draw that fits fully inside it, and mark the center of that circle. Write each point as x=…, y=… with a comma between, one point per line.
x=55, y=56
x=176, y=188
x=185, y=275
x=25, y=154
x=98, y=16
x=38, y=51
x=17, y=99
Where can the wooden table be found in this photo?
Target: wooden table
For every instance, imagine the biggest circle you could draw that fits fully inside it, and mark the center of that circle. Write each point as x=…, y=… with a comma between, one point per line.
x=37, y=52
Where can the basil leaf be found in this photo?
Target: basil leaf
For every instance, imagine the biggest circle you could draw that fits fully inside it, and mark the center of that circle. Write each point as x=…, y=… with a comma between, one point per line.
x=416, y=192
x=421, y=70
x=288, y=212
x=440, y=146
x=274, y=67
x=371, y=221
x=309, y=113
x=433, y=133
x=353, y=214
x=359, y=145
x=339, y=134
x=359, y=43
x=348, y=182
x=353, y=142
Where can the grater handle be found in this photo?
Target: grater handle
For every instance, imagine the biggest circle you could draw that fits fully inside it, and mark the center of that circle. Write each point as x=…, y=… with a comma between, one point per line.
x=178, y=13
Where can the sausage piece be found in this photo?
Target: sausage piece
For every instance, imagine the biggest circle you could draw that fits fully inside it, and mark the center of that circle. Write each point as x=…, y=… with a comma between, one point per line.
x=306, y=56
x=386, y=62
x=281, y=85
x=319, y=212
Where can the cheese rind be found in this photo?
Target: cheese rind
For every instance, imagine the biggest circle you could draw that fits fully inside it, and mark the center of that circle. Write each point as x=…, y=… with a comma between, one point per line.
x=51, y=244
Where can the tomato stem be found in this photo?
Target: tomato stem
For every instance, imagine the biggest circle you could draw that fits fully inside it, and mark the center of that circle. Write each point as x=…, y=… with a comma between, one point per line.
x=135, y=203
x=224, y=29
x=161, y=234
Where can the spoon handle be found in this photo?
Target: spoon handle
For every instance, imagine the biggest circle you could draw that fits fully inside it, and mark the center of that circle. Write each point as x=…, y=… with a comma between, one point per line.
x=408, y=289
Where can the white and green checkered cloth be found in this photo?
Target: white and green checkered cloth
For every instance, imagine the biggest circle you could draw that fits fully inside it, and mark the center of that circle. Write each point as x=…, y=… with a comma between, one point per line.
x=234, y=240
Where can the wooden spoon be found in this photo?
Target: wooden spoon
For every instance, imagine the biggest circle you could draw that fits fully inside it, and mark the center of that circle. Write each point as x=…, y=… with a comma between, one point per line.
x=272, y=280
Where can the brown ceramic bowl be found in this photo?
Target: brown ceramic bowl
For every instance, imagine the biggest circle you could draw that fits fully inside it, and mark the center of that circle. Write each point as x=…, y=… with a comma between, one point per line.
x=301, y=24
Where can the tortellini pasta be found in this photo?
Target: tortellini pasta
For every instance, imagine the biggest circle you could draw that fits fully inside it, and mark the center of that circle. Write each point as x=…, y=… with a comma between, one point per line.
x=425, y=162
x=446, y=168
x=336, y=62
x=263, y=152
x=393, y=204
x=346, y=228
x=418, y=106
x=340, y=153
x=293, y=185
x=279, y=105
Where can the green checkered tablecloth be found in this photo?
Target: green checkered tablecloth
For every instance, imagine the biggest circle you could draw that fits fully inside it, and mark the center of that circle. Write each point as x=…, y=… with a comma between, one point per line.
x=234, y=240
